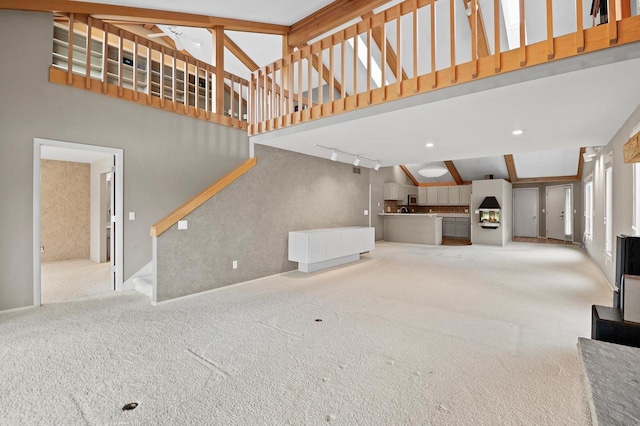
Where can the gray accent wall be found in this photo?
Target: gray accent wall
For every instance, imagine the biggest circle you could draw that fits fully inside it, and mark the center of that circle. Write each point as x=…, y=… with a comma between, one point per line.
x=168, y=158
x=249, y=221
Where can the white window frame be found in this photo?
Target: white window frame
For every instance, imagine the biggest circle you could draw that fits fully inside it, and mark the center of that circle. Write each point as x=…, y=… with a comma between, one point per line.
x=608, y=205
x=588, y=207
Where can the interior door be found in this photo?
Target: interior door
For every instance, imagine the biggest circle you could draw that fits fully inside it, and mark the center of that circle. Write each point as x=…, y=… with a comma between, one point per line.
x=558, y=198
x=525, y=212
x=112, y=220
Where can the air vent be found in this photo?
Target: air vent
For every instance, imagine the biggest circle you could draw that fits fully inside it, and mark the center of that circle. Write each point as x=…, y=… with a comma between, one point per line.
x=356, y=170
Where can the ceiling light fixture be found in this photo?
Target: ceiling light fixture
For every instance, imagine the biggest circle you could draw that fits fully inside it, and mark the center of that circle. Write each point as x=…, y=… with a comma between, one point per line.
x=590, y=152
x=586, y=158
x=429, y=145
x=517, y=132
x=357, y=159
x=433, y=171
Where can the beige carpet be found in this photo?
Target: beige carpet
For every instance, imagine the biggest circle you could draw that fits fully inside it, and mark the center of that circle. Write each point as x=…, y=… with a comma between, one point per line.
x=411, y=335
x=73, y=279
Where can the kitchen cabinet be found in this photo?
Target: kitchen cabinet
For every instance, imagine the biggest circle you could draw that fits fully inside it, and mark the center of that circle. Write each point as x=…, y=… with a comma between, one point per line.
x=443, y=195
x=465, y=195
x=402, y=195
x=457, y=227
x=391, y=191
x=422, y=196
x=432, y=196
x=454, y=195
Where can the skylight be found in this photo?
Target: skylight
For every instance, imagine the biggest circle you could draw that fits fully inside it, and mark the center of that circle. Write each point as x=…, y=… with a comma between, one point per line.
x=376, y=72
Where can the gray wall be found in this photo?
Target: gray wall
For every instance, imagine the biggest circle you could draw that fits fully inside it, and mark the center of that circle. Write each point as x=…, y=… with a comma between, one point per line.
x=622, y=197
x=168, y=158
x=542, y=205
x=249, y=221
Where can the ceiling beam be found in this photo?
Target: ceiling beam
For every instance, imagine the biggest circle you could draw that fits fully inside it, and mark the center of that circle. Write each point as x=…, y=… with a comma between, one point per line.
x=240, y=54
x=329, y=17
x=483, y=43
x=409, y=175
x=137, y=14
x=511, y=168
x=454, y=172
x=580, y=163
x=392, y=57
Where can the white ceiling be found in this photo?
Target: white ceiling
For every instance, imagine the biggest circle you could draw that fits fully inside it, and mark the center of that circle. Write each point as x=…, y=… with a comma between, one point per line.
x=282, y=12
x=477, y=168
x=562, y=111
x=72, y=155
x=541, y=164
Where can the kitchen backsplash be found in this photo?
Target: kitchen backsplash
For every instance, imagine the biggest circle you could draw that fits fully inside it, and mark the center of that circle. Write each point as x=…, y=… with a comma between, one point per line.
x=394, y=207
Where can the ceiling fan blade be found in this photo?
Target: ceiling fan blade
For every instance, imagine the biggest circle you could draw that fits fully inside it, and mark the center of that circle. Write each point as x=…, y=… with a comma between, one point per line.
x=190, y=40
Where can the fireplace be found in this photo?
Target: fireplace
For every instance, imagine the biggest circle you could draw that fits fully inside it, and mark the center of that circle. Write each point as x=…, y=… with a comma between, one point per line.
x=489, y=212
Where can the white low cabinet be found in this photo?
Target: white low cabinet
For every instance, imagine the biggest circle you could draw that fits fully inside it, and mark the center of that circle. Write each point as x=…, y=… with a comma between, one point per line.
x=318, y=249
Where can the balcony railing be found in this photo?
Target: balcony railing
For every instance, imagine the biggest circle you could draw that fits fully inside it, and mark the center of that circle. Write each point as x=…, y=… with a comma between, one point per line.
x=128, y=66
x=422, y=45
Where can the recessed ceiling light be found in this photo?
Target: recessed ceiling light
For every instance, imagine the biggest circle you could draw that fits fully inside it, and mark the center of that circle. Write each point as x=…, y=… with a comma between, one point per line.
x=517, y=132
x=430, y=145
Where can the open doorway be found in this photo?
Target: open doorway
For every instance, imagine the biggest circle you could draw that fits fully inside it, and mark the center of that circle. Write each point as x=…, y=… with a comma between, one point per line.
x=77, y=220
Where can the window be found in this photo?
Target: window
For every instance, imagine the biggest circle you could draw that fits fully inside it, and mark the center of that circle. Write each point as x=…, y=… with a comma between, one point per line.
x=568, y=208
x=608, y=205
x=588, y=207
x=635, y=225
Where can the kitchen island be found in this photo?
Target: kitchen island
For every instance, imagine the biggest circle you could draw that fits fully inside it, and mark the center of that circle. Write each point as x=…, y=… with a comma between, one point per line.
x=416, y=228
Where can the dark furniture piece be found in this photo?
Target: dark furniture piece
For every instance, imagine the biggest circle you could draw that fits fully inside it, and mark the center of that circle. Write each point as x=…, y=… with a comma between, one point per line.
x=607, y=325
x=627, y=262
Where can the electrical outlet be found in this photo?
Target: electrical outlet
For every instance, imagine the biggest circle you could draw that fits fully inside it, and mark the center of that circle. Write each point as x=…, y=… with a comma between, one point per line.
x=132, y=215
x=182, y=224
x=466, y=210
x=235, y=264
x=41, y=249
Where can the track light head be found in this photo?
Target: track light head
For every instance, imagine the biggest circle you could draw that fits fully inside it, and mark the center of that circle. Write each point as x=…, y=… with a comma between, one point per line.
x=356, y=162
x=334, y=155
x=377, y=166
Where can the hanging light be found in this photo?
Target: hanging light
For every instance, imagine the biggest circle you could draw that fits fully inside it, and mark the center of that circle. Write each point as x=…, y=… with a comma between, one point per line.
x=432, y=171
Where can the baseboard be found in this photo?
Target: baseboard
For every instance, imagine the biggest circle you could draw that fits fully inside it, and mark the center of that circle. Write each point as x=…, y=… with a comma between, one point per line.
x=604, y=277
x=202, y=293
x=145, y=270
x=24, y=308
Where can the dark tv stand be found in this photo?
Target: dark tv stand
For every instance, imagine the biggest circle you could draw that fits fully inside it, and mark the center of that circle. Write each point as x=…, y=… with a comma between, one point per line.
x=607, y=325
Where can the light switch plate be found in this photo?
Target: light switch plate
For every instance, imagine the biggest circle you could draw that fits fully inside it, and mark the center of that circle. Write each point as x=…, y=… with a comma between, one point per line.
x=132, y=215
x=366, y=212
x=182, y=224
x=235, y=264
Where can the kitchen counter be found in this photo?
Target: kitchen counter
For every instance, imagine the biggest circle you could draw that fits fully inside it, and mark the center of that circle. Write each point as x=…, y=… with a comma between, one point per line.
x=415, y=228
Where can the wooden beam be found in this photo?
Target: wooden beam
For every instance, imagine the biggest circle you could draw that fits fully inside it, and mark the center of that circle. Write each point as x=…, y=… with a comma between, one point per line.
x=392, y=57
x=550, y=179
x=138, y=14
x=409, y=175
x=453, y=171
x=423, y=184
x=482, y=41
x=329, y=17
x=195, y=202
x=218, y=53
x=631, y=149
x=511, y=168
x=240, y=54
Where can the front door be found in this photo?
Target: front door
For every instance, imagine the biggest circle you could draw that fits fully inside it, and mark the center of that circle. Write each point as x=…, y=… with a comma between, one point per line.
x=525, y=212
x=559, y=209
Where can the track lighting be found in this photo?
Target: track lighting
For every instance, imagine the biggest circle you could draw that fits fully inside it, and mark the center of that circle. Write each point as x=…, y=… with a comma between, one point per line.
x=357, y=159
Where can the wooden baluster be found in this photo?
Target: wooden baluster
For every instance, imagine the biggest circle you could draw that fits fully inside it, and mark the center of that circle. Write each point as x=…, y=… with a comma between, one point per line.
x=332, y=89
x=196, y=90
x=434, y=76
x=579, y=27
x=290, y=71
x=136, y=42
x=550, y=52
x=173, y=83
x=87, y=81
x=523, y=40
x=369, y=54
x=149, y=74
x=452, y=36
x=120, y=64
x=70, y=41
x=383, y=59
x=416, y=89
x=300, y=85
x=496, y=35
x=186, y=86
x=474, y=38
x=265, y=95
x=162, y=77
x=310, y=84
x=320, y=78
x=355, y=67
x=399, y=53
x=613, y=22
x=252, y=102
x=105, y=63
x=207, y=100
x=343, y=56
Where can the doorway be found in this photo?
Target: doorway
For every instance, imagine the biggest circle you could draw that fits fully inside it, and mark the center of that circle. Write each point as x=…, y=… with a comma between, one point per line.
x=77, y=199
x=526, y=205
x=559, y=200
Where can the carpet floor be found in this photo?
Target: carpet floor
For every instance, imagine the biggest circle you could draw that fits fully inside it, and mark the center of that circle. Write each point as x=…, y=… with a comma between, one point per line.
x=72, y=279
x=410, y=335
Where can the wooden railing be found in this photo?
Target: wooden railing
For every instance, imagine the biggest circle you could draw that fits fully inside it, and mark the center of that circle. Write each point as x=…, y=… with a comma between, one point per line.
x=374, y=61
x=125, y=65
x=195, y=202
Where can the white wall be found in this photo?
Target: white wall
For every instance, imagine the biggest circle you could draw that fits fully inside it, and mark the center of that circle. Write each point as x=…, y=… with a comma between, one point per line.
x=98, y=238
x=622, y=197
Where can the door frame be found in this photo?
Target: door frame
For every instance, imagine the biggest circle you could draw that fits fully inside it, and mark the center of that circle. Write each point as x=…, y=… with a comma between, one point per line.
x=119, y=214
x=546, y=203
x=513, y=231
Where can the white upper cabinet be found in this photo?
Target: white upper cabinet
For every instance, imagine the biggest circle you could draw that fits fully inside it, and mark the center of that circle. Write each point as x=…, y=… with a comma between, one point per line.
x=465, y=195
x=454, y=195
x=443, y=195
x=432, y=196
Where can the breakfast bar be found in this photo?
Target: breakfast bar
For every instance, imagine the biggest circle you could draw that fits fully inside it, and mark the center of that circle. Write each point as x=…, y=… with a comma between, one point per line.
x=415, y=228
